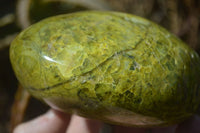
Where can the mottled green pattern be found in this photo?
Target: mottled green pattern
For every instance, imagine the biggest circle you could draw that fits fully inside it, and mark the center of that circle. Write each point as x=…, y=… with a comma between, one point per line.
x=110, y=66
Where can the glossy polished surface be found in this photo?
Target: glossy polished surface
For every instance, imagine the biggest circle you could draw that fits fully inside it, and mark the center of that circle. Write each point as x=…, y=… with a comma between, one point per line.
x=115, y=67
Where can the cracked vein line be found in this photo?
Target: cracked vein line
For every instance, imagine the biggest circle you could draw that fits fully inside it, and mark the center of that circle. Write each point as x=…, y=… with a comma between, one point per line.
x=74, y=77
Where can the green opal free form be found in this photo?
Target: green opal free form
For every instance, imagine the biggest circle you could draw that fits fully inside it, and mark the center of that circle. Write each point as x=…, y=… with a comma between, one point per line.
x=115, y=67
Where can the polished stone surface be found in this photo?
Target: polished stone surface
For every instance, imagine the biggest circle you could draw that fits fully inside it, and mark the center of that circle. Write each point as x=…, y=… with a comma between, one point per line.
x=115, y=67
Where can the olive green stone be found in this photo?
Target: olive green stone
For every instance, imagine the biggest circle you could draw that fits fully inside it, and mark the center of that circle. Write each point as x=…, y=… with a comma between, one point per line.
x=115, y=67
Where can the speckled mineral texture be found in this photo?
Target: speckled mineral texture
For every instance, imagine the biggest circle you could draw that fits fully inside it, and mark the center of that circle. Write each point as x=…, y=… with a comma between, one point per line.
x=115, y=67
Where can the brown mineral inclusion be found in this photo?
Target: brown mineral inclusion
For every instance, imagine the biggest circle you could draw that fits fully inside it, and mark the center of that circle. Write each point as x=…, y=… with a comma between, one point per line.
x=115, y=67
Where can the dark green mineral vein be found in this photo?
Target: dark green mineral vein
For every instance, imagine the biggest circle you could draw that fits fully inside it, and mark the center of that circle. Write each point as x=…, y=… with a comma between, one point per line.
x=102, y=63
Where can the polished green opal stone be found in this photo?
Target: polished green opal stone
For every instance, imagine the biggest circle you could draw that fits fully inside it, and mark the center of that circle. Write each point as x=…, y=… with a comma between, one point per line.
x=115, y=67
